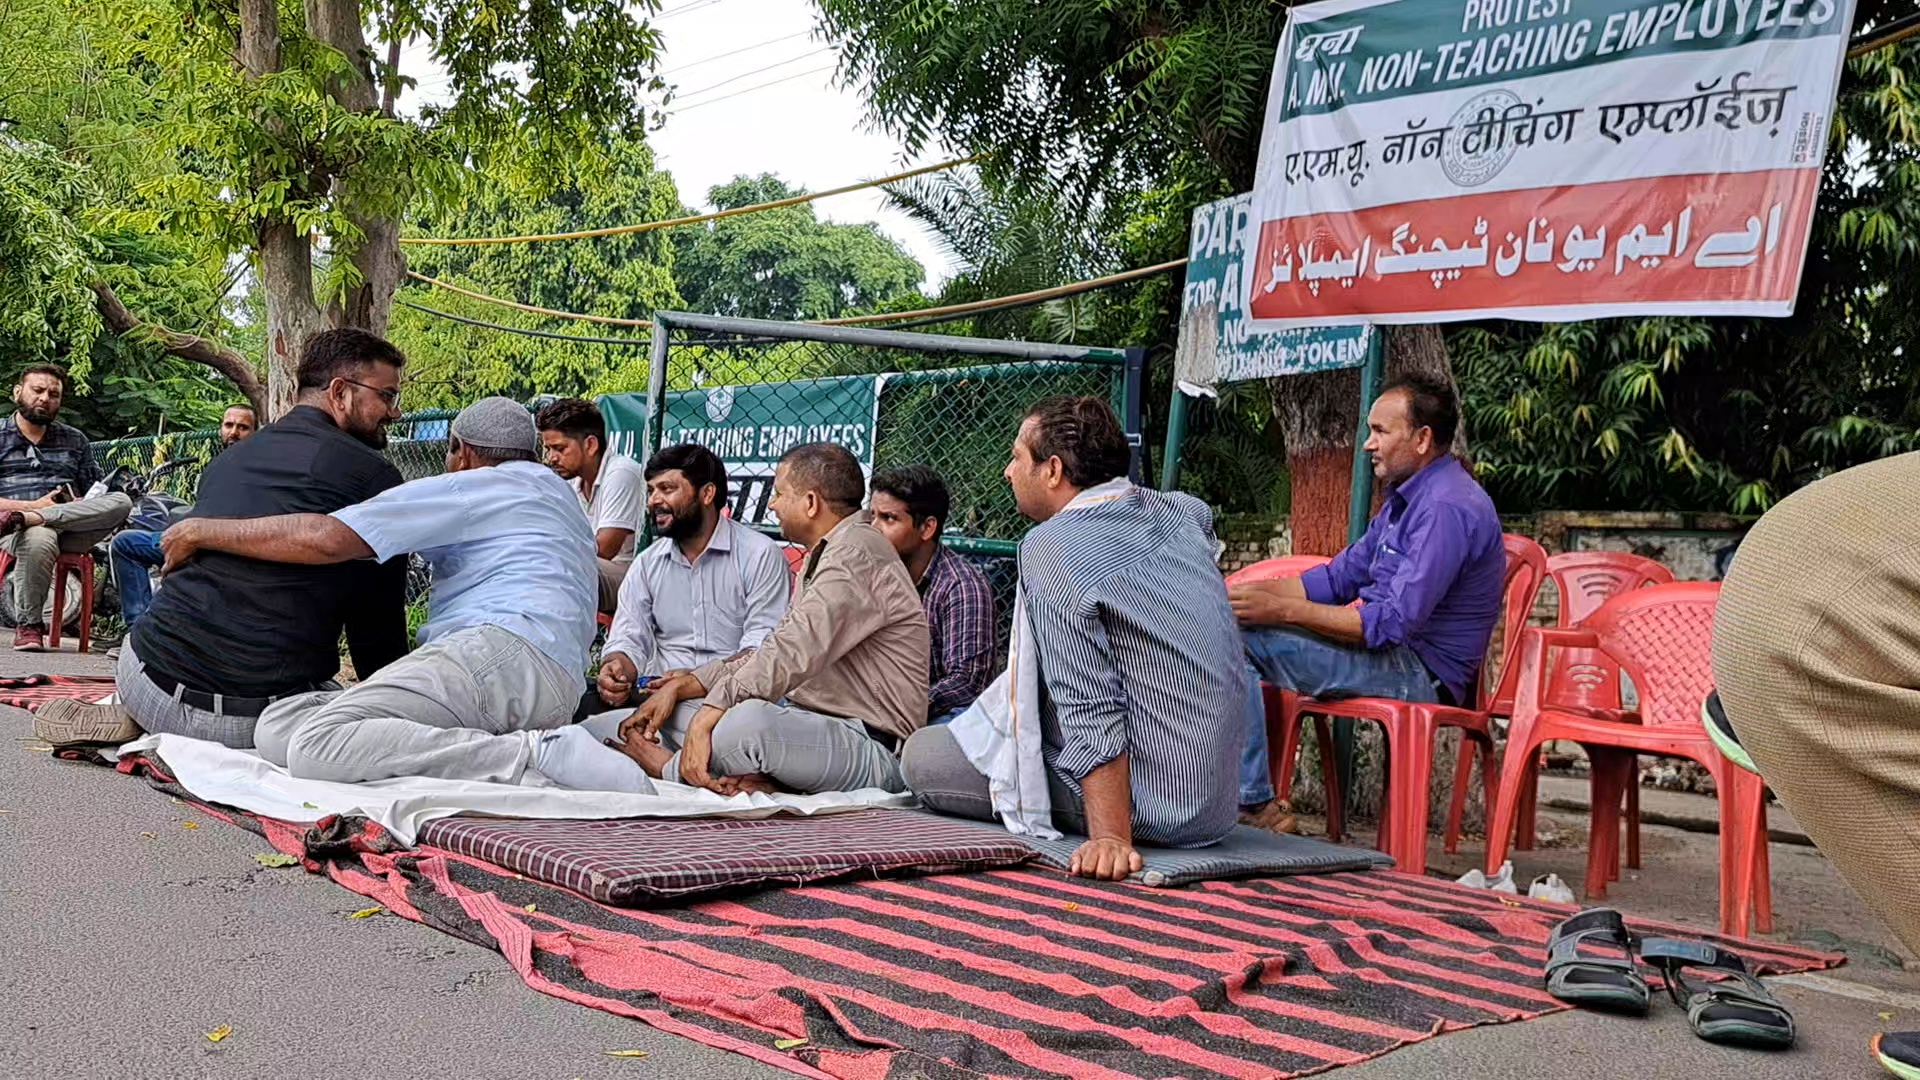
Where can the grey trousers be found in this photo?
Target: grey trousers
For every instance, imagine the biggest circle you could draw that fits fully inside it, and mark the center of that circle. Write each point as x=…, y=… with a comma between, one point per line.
x=457, y=709
x=938, y=771
x=69, y=527
x=606, y=725
x=163, y=713
x=802, y=751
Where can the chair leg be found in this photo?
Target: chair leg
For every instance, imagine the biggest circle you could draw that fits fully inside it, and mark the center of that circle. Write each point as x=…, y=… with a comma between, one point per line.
x=1462, y=780
x=86, y=606
x=1410, y=750
x=59, y=605
x=1633, y=817
x=1739, y=793
x=1762, y=885
x=1603, y=831
x=1283, y=740
x=1624, y=779
x=1330, y=780
x=1503, y=807
x=1527, y=826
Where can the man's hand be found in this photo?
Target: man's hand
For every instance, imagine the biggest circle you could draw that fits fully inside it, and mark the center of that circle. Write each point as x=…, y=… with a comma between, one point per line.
x=1107, y=858
x=44, y=501
x=697, y=752
x=179, y=544
x=1258, y=605
x=616, y=678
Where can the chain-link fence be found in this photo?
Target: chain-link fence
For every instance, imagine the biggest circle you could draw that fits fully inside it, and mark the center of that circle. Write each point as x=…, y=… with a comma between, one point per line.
x=751, y=389
x=416, y=444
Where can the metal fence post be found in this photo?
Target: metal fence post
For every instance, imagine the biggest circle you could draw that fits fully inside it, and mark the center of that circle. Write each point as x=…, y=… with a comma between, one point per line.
x=650, y=435
x=1176, y=435
x=1136, y=369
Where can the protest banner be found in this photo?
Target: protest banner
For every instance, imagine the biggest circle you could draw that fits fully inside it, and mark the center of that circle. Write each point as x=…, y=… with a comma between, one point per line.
x=1436, y=160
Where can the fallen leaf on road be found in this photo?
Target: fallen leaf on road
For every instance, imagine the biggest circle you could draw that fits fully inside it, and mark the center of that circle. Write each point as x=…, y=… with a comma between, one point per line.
x=40, y=749
x=276, y=859
x=1886, y=1016
x=625, y=1053
x=189, y=825
x=788, y=1044
x=6, y=811
x=531, y=908
x=149, y=836
x=364, y=912
x=309, y=806
x=220, y=1032
x=1071, y=906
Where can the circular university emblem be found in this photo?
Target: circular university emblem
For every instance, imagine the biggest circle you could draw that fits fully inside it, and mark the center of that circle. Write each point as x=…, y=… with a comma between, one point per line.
x=719, y=404
x=1479, y=141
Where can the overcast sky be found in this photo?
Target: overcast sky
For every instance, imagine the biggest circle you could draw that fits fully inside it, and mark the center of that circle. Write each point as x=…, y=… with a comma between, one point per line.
x=756, y=93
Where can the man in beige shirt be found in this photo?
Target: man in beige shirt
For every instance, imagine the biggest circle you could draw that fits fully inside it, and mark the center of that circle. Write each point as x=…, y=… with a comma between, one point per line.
x=824, y=702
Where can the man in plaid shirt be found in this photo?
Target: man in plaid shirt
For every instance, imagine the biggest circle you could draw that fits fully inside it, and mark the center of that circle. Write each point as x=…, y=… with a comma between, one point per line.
x=910, y=508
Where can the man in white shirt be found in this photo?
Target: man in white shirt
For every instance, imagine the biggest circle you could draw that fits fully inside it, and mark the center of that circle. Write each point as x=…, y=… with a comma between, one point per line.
x=510, y=620
x=707, y=589
x=611, y=488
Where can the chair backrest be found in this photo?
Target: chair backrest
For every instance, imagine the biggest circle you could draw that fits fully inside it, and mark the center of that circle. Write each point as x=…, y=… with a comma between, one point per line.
x=1587, y=579
x=1662, y=636
x=1285, y=566
x=1526, y=570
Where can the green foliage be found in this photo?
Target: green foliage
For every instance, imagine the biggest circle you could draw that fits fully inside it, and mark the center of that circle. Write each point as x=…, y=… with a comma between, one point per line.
x=46, y=257
x=786, y=263
x=623, y=277
x=1728, y=414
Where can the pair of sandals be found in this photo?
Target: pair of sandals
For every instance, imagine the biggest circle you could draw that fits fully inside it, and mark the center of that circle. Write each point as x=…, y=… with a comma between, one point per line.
x=1733, y=1007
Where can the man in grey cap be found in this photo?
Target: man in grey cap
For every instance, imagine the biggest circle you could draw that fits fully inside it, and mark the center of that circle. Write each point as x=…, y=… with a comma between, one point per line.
x=504, y=650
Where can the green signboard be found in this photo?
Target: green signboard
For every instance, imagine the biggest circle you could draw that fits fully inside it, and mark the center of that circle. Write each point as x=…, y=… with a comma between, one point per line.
x=751, y=426
x=1217, y=341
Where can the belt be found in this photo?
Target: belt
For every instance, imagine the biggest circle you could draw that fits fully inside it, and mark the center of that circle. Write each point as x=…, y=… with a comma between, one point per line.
x=219, y=704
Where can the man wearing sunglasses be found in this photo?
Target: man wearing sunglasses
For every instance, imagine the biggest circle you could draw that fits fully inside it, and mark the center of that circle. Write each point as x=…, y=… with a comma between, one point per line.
x=228, y=635
x=46, y=471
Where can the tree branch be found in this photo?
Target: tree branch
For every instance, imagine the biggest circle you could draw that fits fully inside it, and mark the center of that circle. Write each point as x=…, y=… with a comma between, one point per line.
x=186, y=346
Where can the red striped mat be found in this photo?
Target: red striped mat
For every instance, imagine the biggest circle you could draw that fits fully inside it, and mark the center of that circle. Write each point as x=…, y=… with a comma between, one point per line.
x=1014, y=973
x=29, y=692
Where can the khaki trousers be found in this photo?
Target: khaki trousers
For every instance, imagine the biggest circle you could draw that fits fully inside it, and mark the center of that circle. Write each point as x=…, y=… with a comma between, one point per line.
x=1816, y=655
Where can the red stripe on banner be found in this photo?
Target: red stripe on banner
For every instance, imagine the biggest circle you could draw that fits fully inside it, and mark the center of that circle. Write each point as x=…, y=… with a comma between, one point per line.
x=1735, y=248
x=1124, y=998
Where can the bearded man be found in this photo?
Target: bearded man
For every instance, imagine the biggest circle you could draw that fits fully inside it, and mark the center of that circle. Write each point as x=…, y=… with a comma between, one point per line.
x=707, y=589
x=47, y=472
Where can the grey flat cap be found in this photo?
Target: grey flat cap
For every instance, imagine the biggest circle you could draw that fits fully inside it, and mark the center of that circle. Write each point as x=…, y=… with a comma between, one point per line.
x=497, y=423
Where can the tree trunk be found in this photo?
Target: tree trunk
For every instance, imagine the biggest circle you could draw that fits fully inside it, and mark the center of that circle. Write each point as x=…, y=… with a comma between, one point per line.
x=188, y=346
x=367, y=305
x=286, y=276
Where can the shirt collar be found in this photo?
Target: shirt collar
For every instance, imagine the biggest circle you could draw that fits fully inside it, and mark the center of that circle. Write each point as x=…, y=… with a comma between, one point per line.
x=722, y=538
x=1410, y=488
x=935, y=567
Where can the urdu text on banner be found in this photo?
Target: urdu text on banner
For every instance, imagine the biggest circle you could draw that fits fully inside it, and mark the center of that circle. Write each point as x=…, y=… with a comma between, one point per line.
x=1436, y=160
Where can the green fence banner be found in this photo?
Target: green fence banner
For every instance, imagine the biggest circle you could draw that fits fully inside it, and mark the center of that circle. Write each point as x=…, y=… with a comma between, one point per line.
x=751, y=426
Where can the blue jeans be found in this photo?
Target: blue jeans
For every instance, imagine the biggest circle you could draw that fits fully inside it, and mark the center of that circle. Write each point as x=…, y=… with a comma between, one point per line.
x=132, y=553
x=1309, y=664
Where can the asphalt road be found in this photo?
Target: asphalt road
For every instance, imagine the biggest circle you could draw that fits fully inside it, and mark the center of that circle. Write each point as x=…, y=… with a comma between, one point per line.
x=125, y=937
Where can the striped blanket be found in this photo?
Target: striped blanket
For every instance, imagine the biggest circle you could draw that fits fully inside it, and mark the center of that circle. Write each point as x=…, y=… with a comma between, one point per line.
x=1014, y=972
x=29, y=692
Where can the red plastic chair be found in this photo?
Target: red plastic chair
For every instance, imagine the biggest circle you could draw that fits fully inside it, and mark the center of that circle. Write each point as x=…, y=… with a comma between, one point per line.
x=1661, y=636
x=1411, y=727
x=1585, y=680
x=77, y=562
x=1282, y=706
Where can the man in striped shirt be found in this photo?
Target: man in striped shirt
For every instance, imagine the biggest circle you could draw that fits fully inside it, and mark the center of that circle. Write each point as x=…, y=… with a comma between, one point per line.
x=1139, y=655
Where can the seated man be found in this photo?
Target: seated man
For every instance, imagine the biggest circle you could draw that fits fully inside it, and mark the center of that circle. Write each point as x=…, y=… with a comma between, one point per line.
x=134, y=551
x=46, y=470
x=509, y=619
x=910, y=509
x=1429, y=569
x=1140, y=677
x=826, y=700
x=229, y=636
x=705, y=590
x=611, y=489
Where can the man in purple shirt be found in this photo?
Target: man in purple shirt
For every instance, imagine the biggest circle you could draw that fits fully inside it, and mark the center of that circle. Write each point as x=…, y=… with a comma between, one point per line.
x=910, y=507
x=1428, y=574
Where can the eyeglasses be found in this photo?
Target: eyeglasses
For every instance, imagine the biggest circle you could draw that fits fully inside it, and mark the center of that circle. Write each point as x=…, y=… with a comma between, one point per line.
x=390, y=398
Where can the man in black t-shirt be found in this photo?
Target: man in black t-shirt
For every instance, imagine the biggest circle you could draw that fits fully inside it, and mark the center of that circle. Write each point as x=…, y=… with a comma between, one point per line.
x=228, y=635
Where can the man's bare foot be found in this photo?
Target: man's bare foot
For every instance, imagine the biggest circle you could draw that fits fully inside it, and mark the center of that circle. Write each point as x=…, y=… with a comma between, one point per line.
x=651, y=756
x=756, y=783
x=1274, y=816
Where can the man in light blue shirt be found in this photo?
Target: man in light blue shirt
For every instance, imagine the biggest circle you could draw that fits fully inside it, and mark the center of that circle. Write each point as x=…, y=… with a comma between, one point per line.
x=510, y=619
